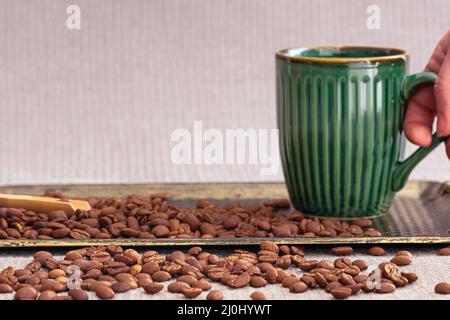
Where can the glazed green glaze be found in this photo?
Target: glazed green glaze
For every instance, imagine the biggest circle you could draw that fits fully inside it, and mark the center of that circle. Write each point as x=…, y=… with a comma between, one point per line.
x=341, y=133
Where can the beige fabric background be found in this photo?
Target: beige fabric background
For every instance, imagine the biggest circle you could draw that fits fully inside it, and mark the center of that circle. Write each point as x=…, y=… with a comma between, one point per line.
x=99, y=104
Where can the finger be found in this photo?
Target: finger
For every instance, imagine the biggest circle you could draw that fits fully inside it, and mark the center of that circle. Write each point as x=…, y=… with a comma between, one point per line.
x=442, y=93
x=420, y=113
x=448, y=147
x=439, y=53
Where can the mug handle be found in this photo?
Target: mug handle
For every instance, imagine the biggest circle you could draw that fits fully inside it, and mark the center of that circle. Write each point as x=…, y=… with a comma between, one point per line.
x=402, y=169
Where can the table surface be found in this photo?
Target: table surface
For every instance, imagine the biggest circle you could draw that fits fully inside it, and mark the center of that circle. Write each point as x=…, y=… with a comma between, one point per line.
x=429, y=267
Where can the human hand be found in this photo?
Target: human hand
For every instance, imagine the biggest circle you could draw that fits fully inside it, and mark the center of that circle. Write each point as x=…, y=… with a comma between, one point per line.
x=431, y=101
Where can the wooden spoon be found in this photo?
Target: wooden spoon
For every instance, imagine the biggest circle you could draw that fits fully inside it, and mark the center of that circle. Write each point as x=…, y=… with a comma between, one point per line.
x=42, y=204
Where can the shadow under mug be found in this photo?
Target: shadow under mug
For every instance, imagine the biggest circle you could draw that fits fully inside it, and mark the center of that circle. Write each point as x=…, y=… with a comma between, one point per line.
x=340, y=112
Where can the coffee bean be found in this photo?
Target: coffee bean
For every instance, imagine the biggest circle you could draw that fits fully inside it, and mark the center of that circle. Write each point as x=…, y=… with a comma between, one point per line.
x=271, y=275
x=203, y=284
x=342, y=251
x=5, y=288
x=270, y=246
x=239, y=281
x=161, y=276
x=47, y=295
x=341, y=292
x=444, y=251
x=153, y=288
x=191, y=293
x=442, y=288
x=257, y=281
x=356, y=287
x=385, y=287
x=258, y=295
x=103, y=292
x=288, y=281
x=177, y=286
x=410, y=276
x=119, y=287
x=78, y=294
x=214, y=295
x=376, y=251
x=402, y=260
x=363, y=222
x=404, y=253
x=56, y=273
x=26, y=293
x=361, y=264
x=361, y=278
x=298, y=287
x=41, y=256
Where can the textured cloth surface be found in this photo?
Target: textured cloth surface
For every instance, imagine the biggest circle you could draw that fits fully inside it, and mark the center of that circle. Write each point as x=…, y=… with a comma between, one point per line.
x=430, y=268
x=99, y=104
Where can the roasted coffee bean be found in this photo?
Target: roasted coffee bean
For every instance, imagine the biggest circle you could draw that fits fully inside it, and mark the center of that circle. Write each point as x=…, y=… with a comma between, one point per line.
x=361, y=264
x=410, y=276
x=376, y=251
x=190, y=280
x=385, y=287
x=361, y=278
x=341, y=292
x=214, y=295
x=271, y=275
x=309, y=281
x=239, y=281
x=342, y=251
x=203, y=284
x=47, y=295
x=153, y=288
x=78, y=294
x=298, y=287
x=103, y=292
x=258, y=295
x=342, y=263
x=161, y=276
x=444, y=251
x=5, y=288
x=402, y=260
x=258, y=281
x=26, y=293
x=442, y=288
x=270, y=246
x=191, y=293
x=356, y=287
x=404, y=253
x=307, y=265
x=119, y=287
x=177, y=286
x=41, y=256
x=288, y=281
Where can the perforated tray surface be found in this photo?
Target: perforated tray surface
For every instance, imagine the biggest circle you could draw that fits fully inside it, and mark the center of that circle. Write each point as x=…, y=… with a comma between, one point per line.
x=420, y=212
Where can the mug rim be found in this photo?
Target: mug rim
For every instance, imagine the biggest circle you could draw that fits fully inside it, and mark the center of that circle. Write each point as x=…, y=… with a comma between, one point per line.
x=397, y=54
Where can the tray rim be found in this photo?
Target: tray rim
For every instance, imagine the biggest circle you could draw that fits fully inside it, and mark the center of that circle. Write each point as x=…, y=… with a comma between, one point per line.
x=221, y=242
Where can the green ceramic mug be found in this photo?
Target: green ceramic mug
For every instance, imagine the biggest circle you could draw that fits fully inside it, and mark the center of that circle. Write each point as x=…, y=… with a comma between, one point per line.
x=340, y=113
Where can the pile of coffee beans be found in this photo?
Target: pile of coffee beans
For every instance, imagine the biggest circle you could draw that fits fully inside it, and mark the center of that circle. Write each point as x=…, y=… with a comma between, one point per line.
x=110, y=270
x=154, y=216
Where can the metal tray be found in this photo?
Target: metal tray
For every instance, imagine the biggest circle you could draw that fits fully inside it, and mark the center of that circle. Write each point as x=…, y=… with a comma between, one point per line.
x=420, y=213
